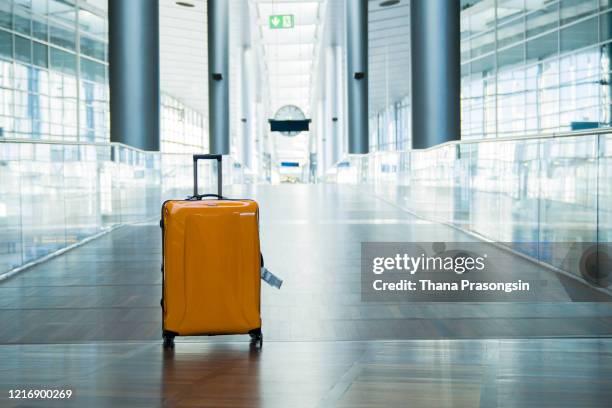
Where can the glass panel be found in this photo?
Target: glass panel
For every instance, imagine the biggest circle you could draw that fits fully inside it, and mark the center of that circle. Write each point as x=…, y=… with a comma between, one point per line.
x=63, y=61
x=63, y=11
x=93, y=71
x=93, y=48
x=580, y=89
x=81, y=204
x=92, y=23
x=542, y=47
x=6, y=44
x=568, y=200
x=39, y=7
x=579, y=35
x=604, y=226
x=22, y=21
x=508, y=10
x=542, y=20
x=485, y=64
x=10, y=208
x=62, y=36
x=6, y=14
x=484, y=203
x=465, y=50
x=572, y=10
x=481, y=17
x=39, y=28
x=511, y=56
x=510, y=33
x=511, y=102
x=518, y=191
x=23, y=50
x=605, y=26
x=42, y=200
x=482, y=44
x=542, y=97
x=606, y=83
x=40, y=54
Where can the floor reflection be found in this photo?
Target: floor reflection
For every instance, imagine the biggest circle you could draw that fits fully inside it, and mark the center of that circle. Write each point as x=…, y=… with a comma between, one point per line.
x=215, y=375
x=551, y=373
x=109, y=289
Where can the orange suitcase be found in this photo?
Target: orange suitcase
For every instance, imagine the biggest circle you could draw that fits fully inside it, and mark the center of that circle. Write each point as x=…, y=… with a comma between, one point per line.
x=210, y=265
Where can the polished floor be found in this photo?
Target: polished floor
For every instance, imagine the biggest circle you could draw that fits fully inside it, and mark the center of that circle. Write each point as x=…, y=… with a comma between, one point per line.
x=540, y=373
x=109, y=289
x=89, y=320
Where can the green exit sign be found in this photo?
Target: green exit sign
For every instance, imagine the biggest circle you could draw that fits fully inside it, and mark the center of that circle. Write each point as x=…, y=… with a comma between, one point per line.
x=281, y=21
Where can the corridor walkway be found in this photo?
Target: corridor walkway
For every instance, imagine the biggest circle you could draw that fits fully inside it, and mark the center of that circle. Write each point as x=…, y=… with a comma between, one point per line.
x=109, y=289
x=89, y=321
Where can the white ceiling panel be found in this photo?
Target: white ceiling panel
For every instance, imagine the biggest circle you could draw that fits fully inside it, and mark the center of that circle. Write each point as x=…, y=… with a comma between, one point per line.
x=297, y=35
x=289, y=52
x=292, y=80
x=388, y=53
x=305, y=12
x=288, y=67
x=183, y=52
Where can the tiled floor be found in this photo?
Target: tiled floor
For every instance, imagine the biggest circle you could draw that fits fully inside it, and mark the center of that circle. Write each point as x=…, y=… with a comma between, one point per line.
x=539, y=373
x=96, y=309
x=109, y=289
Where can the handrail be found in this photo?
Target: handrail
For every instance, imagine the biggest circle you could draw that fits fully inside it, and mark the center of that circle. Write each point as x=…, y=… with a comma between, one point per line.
x=587, y=132
x=73, y=143
x=553, y=135
x=103, y=144
x=546, y=136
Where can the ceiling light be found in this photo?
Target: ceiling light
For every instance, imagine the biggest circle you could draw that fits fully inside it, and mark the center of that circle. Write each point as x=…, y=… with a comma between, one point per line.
x=185, y=3
x=387, y=3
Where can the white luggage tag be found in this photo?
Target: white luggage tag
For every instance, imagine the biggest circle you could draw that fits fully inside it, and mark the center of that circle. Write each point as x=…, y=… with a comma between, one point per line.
x=270, y=278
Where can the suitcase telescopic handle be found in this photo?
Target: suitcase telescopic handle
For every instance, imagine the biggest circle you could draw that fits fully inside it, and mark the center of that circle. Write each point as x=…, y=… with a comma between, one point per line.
x=216, y=157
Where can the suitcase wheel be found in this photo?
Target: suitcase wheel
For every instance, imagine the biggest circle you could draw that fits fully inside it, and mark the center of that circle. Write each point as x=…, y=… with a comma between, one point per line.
x=168, y=340
x=256, y=337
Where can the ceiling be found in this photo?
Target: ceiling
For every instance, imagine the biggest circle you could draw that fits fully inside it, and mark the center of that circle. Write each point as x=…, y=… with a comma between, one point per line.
x=289, y=54
x=183, y=52
x=388, y=48
x=388, y=53
x=289, y=58
x=183, y=56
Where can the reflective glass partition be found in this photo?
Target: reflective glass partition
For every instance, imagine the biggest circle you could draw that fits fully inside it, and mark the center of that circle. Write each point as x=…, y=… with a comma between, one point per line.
x=527, y=67
x=53, y=195
x=515, y=191
x=60, y=178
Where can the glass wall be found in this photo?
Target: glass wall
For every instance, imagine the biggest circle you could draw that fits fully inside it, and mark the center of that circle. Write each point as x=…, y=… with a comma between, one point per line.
x=534, y=67
x=60, y=178
x=53, y=194
x=390, y=128
x=182, y=128
x=54, y=77
x=531, y=194
x=528, y=67
x=53, y=71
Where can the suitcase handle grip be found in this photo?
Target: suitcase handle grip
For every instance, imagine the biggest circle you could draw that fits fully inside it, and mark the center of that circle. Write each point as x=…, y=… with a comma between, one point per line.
x=201, y=196
x=216, y=157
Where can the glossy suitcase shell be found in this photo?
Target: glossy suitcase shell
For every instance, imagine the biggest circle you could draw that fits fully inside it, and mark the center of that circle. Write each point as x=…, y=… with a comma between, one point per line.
x=211, y=266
